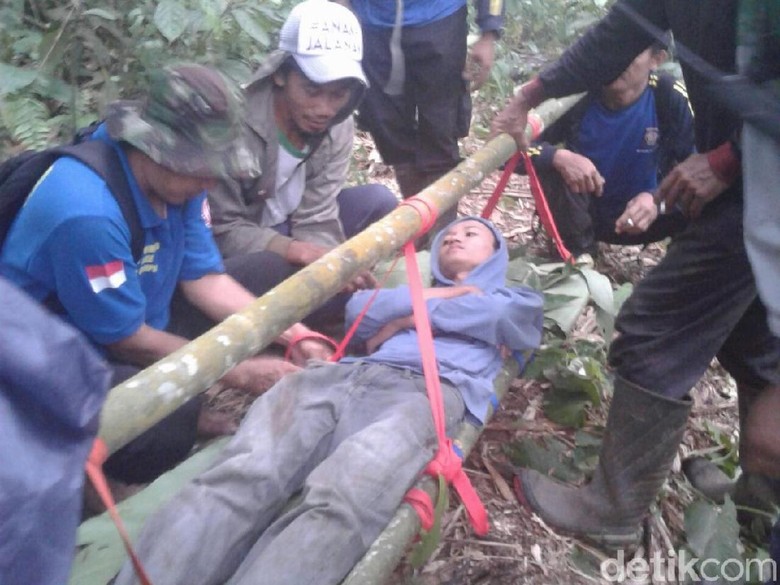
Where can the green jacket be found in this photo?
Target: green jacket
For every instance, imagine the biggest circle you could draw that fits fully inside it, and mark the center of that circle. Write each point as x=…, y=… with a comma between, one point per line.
x=237, y=206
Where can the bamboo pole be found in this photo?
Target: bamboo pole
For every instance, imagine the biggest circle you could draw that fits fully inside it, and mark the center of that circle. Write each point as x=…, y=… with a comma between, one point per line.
x=145, y=399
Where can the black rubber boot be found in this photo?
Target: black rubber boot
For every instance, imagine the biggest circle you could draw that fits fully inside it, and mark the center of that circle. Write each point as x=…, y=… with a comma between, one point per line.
x=641, y=439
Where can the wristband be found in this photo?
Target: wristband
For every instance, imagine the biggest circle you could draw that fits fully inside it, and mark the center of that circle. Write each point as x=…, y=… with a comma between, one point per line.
x=724, y=162
x=310, y=335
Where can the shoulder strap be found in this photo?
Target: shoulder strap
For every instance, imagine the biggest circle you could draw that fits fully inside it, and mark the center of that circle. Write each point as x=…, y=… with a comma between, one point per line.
x=104, y=160
x=664, y=87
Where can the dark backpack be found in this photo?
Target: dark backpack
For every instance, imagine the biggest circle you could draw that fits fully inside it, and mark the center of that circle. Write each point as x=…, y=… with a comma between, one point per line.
x=20, y=174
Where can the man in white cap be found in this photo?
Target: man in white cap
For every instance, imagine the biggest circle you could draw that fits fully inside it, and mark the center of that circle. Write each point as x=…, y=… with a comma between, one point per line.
x=300, y=104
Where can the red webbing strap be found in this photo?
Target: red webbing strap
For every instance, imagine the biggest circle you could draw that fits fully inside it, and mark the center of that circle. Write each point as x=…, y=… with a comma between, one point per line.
x=540, y=201
x=545, y=216
x=94, y=468
x=341, y=348
x=509, y=168
x=445, y=462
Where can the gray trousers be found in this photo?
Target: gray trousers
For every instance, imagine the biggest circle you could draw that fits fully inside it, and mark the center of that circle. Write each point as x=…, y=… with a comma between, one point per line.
x=348, y=439
x=761, y=173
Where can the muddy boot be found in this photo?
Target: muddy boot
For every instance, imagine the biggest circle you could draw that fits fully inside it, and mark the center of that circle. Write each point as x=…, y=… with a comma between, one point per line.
x=410, y=182
x=641, y=439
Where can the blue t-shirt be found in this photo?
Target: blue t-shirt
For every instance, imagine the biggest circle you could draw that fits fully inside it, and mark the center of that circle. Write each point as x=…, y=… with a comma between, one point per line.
x=71, y=239
x=624, y=146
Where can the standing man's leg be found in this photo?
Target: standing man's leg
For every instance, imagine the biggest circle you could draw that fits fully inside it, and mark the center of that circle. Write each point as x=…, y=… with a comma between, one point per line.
x=435, y=60
x=417, y=132
x=391, y=119
x=701, y=291
x=761, y=173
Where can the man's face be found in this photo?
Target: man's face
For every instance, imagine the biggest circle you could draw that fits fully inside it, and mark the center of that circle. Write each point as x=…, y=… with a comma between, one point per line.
x=634, y=79
x=466, y=245
x=305, y=108
x=174, y=188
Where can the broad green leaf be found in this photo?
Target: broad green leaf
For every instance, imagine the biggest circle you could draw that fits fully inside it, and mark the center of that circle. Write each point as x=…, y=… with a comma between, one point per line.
x=171, y=19
x=100, y=550
x=586, y=450
x=566, y=316
x=217, y=7
x=600, y=289
x=548, y=455
x=712, y=532
x=546, y=358
x=250, y=26
x=52, y=87
x=565, y=411
x=14, y=78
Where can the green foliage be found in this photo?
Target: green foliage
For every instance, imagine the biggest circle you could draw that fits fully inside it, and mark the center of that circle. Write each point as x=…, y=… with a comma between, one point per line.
x=550, y=26
x=72, y=58
x=727, y=455
x=535, y=32
x=555, y=457
x=576, y=372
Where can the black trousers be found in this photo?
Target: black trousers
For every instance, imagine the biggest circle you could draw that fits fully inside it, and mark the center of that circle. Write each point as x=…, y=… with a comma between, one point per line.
x=698, y=303
x=580, y=228
x=422, y=125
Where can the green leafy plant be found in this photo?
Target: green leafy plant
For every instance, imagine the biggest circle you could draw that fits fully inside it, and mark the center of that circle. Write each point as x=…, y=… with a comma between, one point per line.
x=62, y=62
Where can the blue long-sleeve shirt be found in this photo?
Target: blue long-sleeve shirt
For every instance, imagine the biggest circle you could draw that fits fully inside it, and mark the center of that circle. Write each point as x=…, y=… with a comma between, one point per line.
x=468, y=330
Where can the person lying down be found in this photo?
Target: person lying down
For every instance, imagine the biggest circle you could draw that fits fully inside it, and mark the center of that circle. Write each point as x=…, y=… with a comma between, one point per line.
x=349, y=438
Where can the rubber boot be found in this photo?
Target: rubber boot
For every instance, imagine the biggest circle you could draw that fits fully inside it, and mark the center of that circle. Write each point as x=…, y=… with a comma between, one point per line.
x=640, y=442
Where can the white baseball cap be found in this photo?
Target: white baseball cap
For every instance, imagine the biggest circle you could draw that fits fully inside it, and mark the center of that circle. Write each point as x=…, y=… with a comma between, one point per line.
x=325, y=40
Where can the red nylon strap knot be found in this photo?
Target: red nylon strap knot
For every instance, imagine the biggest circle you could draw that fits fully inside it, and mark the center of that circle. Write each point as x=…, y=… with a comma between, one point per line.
x=425, y=210
x=446, y=462
x=421, y=502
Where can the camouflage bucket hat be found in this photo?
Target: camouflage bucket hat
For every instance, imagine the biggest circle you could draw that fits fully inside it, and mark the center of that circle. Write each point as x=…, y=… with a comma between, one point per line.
x=191, y=122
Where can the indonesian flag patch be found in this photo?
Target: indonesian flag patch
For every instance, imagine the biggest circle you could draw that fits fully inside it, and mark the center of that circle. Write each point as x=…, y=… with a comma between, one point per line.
x=103, y=276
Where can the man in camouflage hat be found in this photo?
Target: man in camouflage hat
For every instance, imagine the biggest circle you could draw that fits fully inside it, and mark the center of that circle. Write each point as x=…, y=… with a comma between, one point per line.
x=299, y=121
x=72, y=242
